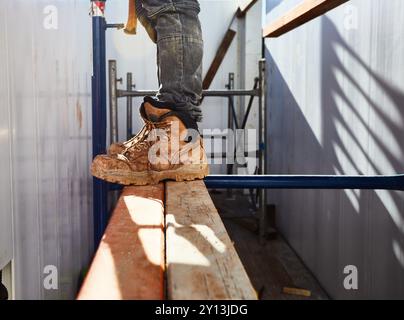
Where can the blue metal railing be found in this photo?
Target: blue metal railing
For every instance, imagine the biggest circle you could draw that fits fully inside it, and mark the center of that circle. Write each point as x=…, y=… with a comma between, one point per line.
x=395, y=182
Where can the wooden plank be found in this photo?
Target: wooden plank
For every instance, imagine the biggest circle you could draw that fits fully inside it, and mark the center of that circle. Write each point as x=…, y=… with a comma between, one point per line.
x=201, y=260
x=304, y=12
x=220, y=54
x=226, y=43
x=129, y=263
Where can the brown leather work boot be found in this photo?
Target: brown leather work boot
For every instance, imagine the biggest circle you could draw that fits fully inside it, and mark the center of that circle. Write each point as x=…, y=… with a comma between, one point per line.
x=120, y=147
x=159, y=152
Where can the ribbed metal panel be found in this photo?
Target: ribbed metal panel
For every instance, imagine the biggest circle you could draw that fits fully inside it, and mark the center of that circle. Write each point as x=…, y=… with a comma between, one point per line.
x=335, y=99
x=6, y=244
x=45, y=85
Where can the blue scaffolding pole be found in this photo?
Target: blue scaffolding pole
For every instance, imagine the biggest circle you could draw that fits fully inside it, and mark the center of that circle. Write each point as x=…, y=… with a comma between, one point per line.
x=394, y=182
x=99, y=116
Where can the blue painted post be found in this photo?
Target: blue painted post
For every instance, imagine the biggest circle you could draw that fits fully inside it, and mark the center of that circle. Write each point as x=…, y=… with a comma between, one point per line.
x=99, y=116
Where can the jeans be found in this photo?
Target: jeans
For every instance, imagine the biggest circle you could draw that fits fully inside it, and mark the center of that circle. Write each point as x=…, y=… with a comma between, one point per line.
x=175, y=27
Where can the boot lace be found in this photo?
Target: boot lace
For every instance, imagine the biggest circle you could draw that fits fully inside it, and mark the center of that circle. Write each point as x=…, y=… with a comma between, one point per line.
x=141, y=141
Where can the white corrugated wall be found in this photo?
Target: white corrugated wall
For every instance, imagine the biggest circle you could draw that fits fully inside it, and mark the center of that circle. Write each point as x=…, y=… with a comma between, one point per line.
x=45, y=108
x=336, y=95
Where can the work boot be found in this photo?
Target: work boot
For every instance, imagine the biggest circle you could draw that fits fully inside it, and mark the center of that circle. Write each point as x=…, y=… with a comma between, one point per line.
x=164, y=150
x=120, y=147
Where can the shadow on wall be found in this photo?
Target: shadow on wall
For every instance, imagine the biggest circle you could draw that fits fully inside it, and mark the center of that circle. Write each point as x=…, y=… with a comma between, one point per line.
x=272, y=4
x=333, y=229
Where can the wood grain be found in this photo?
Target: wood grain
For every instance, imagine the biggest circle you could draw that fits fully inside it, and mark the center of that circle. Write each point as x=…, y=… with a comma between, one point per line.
x=129, y=263
x=201, y=260
x=304, y=12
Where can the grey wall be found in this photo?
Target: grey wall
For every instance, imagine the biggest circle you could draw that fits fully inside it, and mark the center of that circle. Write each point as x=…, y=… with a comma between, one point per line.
x=45, y=141
x=336, y=106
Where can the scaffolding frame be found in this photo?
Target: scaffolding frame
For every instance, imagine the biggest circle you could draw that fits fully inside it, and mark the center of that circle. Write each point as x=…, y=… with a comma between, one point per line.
x=261, y=181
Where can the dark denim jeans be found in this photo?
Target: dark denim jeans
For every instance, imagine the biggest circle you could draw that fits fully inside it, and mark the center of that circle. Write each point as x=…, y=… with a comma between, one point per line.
x=175, y=27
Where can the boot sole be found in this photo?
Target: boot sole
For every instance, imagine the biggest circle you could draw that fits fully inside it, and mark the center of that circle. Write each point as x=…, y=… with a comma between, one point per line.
x=184, y=173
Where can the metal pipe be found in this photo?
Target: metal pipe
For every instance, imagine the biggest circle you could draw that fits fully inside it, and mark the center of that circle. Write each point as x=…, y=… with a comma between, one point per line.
x=129, y=114
x=99, y=116
x=229, y=93
x=230, y=143
x=250, y=102
x=115, y=26
x=261, y=116
x=262, y=148
x=395, y=182
x=234, y=113
x=206, y=93
x=113, y=102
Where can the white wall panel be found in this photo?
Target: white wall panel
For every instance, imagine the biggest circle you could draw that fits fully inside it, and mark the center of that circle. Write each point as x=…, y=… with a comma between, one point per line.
x=335, y=99
x=48, y=85
x=6, y=227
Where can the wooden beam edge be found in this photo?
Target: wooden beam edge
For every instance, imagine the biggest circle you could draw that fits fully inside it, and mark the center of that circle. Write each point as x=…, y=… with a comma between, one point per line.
x=129, y=263
x=202, y=262
x=299, y=15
